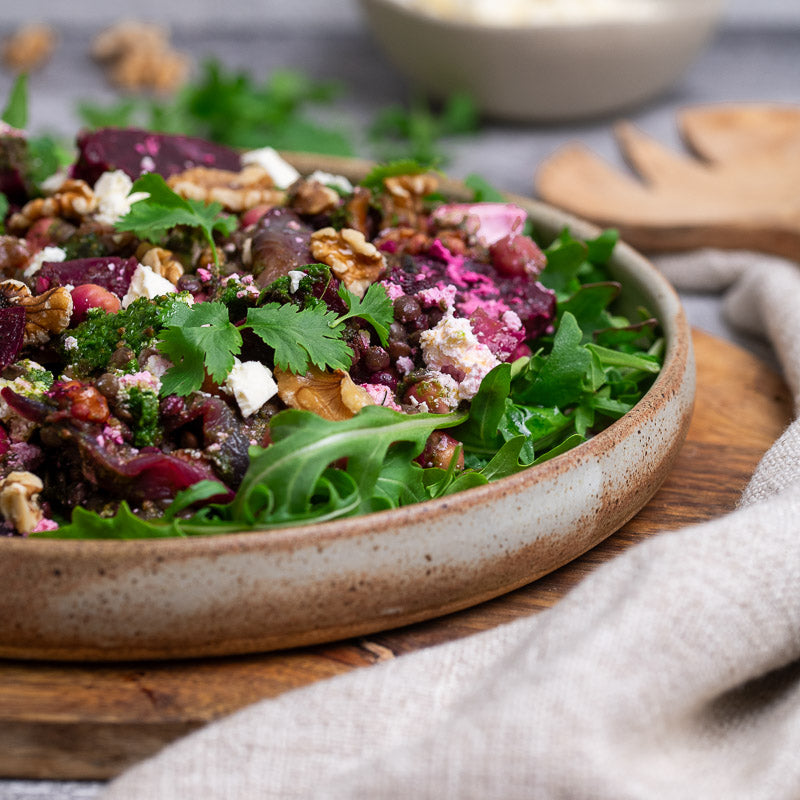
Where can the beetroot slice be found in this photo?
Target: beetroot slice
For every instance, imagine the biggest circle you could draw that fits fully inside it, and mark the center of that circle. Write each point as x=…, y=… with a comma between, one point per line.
x=137, y=151
x=12, y=331
x=110, y=272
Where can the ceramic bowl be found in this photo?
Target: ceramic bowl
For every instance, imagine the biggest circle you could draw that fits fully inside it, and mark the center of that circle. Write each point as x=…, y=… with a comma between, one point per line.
x=255, y=591
x=547, y=69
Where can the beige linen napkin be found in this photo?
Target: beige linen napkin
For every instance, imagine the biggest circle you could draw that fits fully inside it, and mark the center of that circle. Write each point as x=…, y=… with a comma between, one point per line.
x=671, y=672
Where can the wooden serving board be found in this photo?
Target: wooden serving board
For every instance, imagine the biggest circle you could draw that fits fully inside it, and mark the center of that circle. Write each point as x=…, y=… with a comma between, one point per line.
x=90, y=721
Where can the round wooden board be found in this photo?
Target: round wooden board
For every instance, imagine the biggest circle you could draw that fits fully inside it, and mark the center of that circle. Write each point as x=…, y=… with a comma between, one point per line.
x=91, y=721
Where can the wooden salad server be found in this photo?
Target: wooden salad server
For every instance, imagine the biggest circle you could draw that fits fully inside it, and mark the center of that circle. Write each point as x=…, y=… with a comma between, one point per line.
x=738, y=188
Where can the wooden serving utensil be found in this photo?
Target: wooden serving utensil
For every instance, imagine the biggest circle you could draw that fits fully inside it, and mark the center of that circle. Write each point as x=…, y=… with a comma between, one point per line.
x=739, y=188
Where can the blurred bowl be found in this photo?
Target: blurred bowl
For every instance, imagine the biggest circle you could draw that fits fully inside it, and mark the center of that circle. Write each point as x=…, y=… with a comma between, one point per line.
x=545, y=69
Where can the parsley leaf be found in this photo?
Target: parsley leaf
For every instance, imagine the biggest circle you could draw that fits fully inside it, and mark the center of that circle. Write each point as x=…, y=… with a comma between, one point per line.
x=300, y=336
x=375, y=308
x=203, y=341
x=153, y=216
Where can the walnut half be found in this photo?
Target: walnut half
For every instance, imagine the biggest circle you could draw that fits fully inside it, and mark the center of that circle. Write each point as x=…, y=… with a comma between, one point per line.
x=45, y=314
x=353, y=259
x=19, y=500
x=236, y=191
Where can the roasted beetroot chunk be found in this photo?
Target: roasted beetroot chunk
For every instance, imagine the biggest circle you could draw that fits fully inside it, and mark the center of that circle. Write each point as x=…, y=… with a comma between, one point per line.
x=110, y=272
x=14, y=181
x=136, y=151
x=12, y=331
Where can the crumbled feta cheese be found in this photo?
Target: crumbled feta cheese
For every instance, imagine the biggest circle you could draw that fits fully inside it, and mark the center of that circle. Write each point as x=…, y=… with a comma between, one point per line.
x=452, y=343
x=251, y=384
x=70, y=343
x=334, y=181
x=53, y=182
x=157, y=365
x=45, y=254
x=114, y=200
x=146, y=283
x=280, y=170
x=294, y=279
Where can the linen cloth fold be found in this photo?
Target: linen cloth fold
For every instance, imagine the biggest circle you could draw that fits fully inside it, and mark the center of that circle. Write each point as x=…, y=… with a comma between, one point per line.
x=673, y=671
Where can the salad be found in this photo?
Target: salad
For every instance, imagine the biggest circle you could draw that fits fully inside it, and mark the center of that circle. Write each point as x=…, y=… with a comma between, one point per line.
x=195, y=340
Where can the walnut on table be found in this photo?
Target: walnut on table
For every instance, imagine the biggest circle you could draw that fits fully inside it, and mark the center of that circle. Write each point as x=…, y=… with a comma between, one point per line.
x=354, y=260
x=139, y=56
x=46, y=314
x=235, y=191
x=29, y=48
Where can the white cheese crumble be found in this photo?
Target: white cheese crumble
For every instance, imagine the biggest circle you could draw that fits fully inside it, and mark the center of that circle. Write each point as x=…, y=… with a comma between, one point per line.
x=114, y=200
x=452, y=343
x=294, y=279
x=146, y=283
x=45, y=254
x=281, y=171
x=339, y=182
x=251, y=384
x=53, y=183
x=70, y=343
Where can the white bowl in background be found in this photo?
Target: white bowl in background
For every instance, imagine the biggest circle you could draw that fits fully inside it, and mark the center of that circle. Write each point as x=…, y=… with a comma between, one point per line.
x=546, y=70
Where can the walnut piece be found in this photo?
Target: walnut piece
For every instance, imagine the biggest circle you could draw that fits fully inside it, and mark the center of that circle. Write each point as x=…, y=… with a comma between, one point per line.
x=353, y=259
x=19, y=500
x=403, y=202
x=313, y=197
x=161, y=261
x=74, y=200
x=139, y=56
x=45, y=314
x=29, y=48
x=236, y=191
x=330, y=395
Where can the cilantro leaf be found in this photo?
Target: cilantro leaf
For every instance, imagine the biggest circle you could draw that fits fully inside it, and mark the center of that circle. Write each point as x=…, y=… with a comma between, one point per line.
x=163, y=209
x=375, y=308
x=482, y=190
x=16, y=111
x=205, y=342
x=300, y=336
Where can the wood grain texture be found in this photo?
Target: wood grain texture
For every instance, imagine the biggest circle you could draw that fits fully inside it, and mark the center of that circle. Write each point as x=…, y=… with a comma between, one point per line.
x=91, y=721
x=735, y=188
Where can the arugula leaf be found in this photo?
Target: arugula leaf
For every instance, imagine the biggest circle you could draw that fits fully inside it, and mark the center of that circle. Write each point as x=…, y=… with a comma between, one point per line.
x=559, y=382
x=589, y=306
x=479, y=433
x=564, y=258
x=205, y=341
x=163, y=209
x=16, y=111
x=375, y=308
x=305, y=444
x=300, y=336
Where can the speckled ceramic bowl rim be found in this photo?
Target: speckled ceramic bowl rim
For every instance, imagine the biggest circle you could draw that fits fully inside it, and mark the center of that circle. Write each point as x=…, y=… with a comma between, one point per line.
x=673, y=323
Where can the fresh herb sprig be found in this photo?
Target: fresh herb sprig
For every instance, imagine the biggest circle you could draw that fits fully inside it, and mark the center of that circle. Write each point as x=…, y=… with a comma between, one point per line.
x=162, y=209
x=202, y=340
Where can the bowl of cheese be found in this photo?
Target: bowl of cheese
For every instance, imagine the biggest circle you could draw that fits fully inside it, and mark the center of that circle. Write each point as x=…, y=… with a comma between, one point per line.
x=543, y=60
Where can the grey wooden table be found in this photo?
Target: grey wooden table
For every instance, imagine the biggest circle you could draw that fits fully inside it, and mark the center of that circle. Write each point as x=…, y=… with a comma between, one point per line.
x=754, y=57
